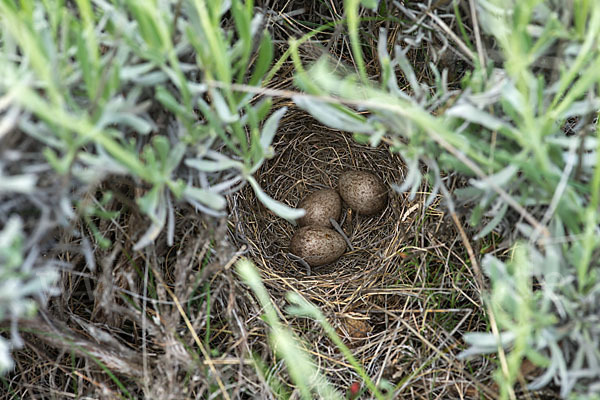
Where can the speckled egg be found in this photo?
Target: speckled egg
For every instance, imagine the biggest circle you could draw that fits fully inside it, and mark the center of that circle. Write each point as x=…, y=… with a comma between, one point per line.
x=320, y=206
x=355, y=330
x=364, y=192
x=317, y=245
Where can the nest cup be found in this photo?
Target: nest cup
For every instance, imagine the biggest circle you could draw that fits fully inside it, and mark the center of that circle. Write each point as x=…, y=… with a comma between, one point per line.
x=309, y=157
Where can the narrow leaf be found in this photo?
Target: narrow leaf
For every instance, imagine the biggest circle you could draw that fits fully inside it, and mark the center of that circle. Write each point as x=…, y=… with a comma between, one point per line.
x=211, y=199
x=270, y=128
x=333, y=116
x=213, y=166
x=278, y=208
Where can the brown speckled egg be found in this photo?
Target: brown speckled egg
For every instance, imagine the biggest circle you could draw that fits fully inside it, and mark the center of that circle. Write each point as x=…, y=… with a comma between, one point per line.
x=320, y=206
x=317, y=245
x=354, y=330
x=364, y=192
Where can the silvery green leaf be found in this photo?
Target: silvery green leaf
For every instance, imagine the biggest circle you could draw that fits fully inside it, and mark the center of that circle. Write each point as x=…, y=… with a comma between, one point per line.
x=258, y=164
x=225, y=6
x=493, y=93
x=226, y=185
x=370, y=4
x=213, y=166
x=437, y=184
x=525, y=229
x=158, y=223
x=500, y=178
x=256, y=24
x=148, y=237
x=408, y=70
x=588, y=160
x=10, y=233
x=467, y=194
x=551, y=268
x=492, y=17
x=161, y=146
x=211, y=199
x=376, y=137
x=149, y=202
x=145, y=74
x=204, y=209
x=43, y=279
x=86, y=248
x=382, y=52
x=175, y=156
x=544, y=379
x=17, y=183
x=41, y=132
x=6, y=362
x=301, y=306
x=197, y=88
x=270, y=128
x=277, y=207
x=139, y=124
x=9, y=120
x=222, y=108
x=434, y=193
x=129, y=72
x=590, y=143
x=413, y=179
x=215, y=155
x=332, y=116
x=170, y=221
x=488, y=341
x=579, y=108
x=514, y=97
x=97, y=166
x=151, y=79
x=476, y=116
x=248, y=273
x=186, y=67
x=559, y=360
x=493, y=223
x=171, y=74
x=246, y=99
x=66, y=207
x=475, y=351
x=493, y=267
x=387, y=64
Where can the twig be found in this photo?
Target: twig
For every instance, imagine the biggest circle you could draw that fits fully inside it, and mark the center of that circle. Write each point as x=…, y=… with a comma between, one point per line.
x=205, y=354
x=478, y=43
x=339, y=229
x=465, y=240
x=452, y=35
x=501, y=354
x=301, y=261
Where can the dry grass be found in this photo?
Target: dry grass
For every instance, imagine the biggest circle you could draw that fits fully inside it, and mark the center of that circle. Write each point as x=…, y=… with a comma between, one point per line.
x=174, y=322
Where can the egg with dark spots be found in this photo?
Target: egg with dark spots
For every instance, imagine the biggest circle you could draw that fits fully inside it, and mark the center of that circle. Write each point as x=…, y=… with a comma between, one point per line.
x=320, y=206
x=354, y=331
x=363, y=191
x=317, y=245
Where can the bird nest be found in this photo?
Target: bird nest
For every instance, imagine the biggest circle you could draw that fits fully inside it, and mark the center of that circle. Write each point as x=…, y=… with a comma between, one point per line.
x=309, y=157
x=369, y=292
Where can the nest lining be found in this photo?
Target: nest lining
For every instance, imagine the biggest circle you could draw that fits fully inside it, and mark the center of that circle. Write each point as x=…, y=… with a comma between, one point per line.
x=310, y=157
